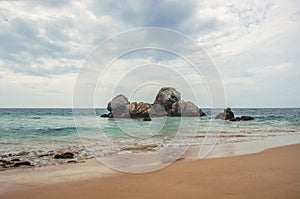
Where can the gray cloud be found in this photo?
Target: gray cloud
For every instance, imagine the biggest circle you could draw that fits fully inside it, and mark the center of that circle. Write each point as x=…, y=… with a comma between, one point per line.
x=168, y=14
x=51, y=39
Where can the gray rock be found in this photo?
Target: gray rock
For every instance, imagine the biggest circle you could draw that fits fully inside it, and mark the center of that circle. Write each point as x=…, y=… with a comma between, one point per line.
x=119, y=107
x=185, y=108
x=226, y=115
x=157, y=110
x=166, y=97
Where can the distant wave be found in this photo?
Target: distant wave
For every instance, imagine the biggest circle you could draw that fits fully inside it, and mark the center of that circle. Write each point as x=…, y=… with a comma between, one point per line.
x=270, y=117
x=57, y=130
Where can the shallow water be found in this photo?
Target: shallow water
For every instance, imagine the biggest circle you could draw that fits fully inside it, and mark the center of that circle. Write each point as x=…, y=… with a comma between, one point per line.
x=37, y=134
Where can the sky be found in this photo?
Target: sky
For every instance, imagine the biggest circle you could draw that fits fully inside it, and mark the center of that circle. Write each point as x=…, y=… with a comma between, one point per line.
x=253, y=44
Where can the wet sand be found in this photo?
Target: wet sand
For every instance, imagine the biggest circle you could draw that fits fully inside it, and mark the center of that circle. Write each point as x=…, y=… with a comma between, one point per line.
x=273, y=173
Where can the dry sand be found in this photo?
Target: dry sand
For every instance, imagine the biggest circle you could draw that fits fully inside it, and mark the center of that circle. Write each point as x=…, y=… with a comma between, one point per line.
x=274, y=173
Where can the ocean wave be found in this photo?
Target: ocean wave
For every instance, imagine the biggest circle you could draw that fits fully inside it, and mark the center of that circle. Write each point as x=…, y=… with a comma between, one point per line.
x=150, y=147
x=270, y=117
x=36, y=117
x=56, y=130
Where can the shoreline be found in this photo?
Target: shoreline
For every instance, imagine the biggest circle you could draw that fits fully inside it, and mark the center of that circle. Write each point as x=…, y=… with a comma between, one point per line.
x=27, y=180
x=273, y=173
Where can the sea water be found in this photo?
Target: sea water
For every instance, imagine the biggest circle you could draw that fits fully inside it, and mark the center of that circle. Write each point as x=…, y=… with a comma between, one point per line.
x=36, y=135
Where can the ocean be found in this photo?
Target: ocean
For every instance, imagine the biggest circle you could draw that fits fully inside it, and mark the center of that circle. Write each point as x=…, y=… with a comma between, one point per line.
x=36, y=135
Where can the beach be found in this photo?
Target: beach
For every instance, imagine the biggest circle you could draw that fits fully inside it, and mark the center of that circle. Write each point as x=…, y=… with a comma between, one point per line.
x=272, y=173
x=146, y=99
x=247, y=159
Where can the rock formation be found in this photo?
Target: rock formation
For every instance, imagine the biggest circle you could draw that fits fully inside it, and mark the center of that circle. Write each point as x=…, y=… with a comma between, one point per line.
x=167, y=103
x=229, y=115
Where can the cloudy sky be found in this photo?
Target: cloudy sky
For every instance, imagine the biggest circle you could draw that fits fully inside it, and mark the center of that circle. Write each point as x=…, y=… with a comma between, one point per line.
x=254, y=45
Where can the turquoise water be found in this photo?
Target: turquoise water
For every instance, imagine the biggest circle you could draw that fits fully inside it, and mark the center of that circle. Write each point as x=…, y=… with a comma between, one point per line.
x=28, y=133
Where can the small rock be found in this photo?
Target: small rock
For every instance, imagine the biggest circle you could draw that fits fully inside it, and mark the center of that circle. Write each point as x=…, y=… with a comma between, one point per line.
x=226, y=115
x=67, y=155
x=147, y=119
x=15, y=160
x=25, y=163
x=72, y=161
x=4, y=163
x=246, y=118
x=44, y=155
x=23, y=153
x=104, y=115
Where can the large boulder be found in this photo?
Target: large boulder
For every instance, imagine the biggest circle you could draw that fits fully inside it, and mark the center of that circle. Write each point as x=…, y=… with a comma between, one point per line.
x=139, y=110
x=226, y=115
x=166, y=97
x=118, y=107
x=185, y=108
x=157, y=110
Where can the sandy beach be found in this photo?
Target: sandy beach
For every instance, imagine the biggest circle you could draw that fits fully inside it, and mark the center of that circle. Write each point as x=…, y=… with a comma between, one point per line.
x=273, y=173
